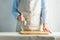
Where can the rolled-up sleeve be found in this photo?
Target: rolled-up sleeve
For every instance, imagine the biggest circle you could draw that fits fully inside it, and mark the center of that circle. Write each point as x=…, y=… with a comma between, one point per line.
x=15, y=8
x=43, y=9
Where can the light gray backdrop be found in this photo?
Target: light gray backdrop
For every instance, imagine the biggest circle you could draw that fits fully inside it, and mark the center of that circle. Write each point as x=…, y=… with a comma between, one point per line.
x=7, y=21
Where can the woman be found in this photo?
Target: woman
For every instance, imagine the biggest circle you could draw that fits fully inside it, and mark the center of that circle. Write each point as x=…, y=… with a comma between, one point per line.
x=31, y=7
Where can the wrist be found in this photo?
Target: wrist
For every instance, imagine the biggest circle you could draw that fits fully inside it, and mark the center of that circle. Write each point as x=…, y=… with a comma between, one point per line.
x=44, y=24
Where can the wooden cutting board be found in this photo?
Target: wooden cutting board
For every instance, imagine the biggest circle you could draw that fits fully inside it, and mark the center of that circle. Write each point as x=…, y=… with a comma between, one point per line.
x=34, y=32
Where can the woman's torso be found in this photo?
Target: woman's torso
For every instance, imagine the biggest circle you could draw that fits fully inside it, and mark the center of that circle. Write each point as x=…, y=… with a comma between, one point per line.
x=31, y=10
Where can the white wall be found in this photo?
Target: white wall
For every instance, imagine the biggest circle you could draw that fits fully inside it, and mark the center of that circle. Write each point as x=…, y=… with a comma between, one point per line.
x=8, y=23
x=53, y=14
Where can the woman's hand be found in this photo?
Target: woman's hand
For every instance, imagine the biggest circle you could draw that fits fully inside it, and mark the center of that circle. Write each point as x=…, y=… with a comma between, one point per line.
x=46, y=29
x=20, y=17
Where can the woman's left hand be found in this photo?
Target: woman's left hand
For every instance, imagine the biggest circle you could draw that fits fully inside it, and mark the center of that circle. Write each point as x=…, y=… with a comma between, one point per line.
x=46, y=29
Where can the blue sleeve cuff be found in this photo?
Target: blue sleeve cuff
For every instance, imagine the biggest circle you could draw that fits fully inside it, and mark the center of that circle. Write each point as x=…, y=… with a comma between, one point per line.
x=44, y=20
x=15, y=14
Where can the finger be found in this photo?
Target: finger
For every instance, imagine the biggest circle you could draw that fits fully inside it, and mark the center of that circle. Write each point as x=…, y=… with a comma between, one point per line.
x=21, y=17
x=44, y=29
x=48, y=30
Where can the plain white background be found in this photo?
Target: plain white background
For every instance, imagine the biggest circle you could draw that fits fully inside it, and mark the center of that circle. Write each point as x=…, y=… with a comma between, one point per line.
x=8, y=22
x=53, y=14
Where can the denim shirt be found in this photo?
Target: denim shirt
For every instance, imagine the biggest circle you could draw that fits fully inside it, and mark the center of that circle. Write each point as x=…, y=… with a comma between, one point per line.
x=16, y=12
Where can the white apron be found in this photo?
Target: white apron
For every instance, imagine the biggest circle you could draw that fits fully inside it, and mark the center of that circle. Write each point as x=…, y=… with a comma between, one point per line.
x=31, y=10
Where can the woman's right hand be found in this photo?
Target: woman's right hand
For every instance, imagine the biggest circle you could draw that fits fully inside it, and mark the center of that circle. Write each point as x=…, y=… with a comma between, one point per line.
x=20, y=17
